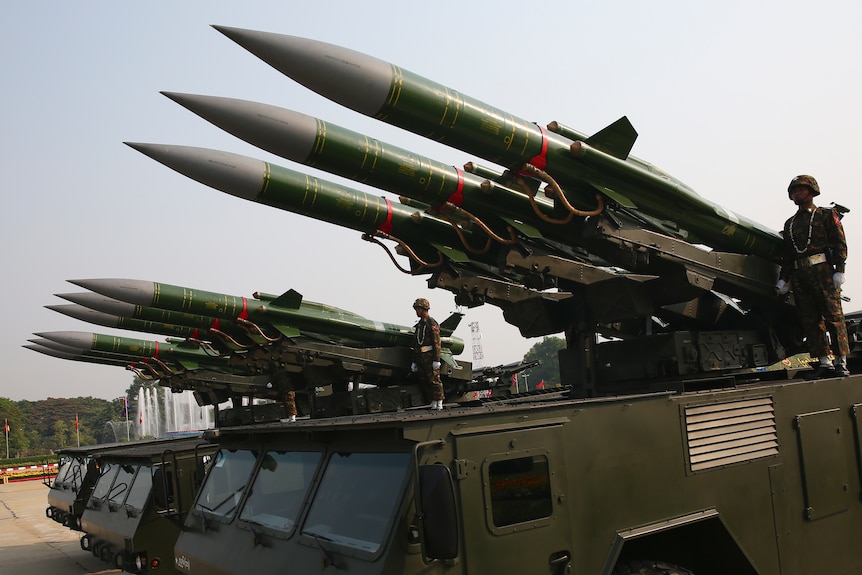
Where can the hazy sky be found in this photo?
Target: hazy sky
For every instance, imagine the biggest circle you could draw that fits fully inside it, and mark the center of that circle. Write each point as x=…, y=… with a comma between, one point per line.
x=734, y=98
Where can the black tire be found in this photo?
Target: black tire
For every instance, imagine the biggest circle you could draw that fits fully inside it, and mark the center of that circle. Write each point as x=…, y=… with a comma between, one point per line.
x=646, y=567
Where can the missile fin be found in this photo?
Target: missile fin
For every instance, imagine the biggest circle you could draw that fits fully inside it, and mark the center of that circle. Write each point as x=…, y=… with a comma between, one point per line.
x=617, y=139
x=287, y=330
x=189, y=365
x=291, y=299
x=452, y=253
x=526, y=229
x=448, y=325
x=619, y=198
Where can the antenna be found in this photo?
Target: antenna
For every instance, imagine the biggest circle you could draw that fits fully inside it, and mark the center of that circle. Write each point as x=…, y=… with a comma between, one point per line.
x=478, y=356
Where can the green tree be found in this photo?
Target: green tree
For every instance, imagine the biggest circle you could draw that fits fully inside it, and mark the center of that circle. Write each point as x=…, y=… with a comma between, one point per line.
x=18, y=441
x=549, y=369
x=61, y=436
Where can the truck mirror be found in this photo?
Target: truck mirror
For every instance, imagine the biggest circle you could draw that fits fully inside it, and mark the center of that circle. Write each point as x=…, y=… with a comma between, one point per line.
x=439, y=518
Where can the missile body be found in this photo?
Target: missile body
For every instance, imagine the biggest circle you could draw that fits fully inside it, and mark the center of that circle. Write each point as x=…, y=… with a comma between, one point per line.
x=391, y=94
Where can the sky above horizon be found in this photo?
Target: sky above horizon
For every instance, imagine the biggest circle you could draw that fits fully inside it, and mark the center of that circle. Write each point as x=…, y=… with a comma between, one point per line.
x=733, y=98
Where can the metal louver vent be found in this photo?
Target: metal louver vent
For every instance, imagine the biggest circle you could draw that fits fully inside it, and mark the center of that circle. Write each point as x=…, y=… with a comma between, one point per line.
x=724, y=433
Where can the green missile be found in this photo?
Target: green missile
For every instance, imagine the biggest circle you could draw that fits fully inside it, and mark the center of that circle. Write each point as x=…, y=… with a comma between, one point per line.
x=292, y=191
x=164, y=322
x=187, y=357
x=326, y=146
x=99, y=318
x=399, y=97
x=287, y=313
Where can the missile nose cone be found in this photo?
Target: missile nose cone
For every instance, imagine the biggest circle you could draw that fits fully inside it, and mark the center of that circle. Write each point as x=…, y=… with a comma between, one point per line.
x=72, y=339
x=99, y=303
x=138, y=292
x=85, y=314
x=232, y=174
x=52, y=352
x=283, y=132
x=353, y=79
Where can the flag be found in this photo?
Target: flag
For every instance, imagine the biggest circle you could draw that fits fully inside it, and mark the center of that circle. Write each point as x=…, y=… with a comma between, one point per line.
x=125, y=412
x=141, y=418
x=541, y=385
x=6, y=426
x=76, y=421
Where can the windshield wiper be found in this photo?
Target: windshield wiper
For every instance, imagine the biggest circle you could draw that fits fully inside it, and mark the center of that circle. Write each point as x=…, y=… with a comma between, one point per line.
x=328, y=559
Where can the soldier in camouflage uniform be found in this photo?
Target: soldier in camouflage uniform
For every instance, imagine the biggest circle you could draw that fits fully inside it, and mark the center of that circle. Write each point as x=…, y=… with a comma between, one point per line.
x=426, y=354
x=815, y=251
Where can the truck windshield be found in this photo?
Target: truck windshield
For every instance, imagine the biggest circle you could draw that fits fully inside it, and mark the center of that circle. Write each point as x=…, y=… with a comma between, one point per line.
x=280, y=488
x=230, y=473
x=357, y=498
x=103, y=485
x=140, y=488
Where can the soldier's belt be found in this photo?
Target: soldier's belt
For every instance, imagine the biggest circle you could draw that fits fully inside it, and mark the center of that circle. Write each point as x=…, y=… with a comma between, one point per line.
x=809, y=261
x=426, y=348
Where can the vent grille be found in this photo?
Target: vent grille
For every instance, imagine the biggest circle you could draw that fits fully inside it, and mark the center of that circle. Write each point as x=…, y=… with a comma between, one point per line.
x=724, y=433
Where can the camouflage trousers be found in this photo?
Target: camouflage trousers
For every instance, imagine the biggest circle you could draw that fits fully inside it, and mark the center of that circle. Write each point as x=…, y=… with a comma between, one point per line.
x=429, y=378
x=818, y=305
x=288, y=400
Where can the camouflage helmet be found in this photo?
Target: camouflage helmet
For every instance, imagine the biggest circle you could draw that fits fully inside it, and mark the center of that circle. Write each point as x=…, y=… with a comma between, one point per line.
x=803, y=180
x=421, y=302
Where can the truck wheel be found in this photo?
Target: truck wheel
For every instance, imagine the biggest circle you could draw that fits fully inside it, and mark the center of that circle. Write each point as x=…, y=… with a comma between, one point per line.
x=642, y=567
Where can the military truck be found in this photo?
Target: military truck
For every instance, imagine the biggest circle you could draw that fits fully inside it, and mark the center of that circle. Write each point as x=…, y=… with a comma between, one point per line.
x=759, y=478
x=77, y=473
x=139, y=502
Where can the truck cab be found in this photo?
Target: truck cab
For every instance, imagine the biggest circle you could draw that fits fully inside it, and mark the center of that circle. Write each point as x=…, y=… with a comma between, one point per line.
x=138, y=504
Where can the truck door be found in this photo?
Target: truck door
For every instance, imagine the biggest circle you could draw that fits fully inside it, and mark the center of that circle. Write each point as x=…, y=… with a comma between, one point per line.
x=511, y=481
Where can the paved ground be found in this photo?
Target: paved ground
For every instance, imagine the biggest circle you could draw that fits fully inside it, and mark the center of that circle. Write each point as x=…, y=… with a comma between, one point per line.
x=32, y=544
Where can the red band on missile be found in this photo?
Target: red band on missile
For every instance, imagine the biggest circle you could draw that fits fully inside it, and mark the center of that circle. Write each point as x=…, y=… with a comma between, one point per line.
x=541, y=160
x=216, y=324
x=156, y=355
x=386, y=227
x=244, y=313
x=196, y=334
x=458, y=197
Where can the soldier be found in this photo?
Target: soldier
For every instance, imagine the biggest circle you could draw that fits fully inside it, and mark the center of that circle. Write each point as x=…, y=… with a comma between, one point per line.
x=426, y=354
x=815, y=250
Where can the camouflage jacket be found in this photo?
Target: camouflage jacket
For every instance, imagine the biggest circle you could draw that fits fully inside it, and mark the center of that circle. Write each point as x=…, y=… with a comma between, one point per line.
x=813, y=232
x=427, y=332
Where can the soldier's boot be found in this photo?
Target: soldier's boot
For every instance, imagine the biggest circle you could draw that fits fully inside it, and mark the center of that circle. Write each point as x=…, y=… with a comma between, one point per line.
x=821, y=371
x=841, y=368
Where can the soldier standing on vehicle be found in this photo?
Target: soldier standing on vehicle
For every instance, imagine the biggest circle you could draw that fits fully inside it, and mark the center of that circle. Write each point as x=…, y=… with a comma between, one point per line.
x=815, y=251
x=426, y=354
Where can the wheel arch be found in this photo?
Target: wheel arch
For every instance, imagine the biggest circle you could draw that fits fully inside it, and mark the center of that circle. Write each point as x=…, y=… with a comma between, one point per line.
x=699, y=542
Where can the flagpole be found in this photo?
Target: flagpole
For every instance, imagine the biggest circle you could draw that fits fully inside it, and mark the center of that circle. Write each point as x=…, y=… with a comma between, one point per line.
x=77, y=431
x=6, y=431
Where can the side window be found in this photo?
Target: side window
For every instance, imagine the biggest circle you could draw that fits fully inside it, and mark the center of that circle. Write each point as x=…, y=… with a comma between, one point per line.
x=125, y=474
x=106, y=478
x=141, y=487
x=520, y=490
x=224, y=485
x=279, y=489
